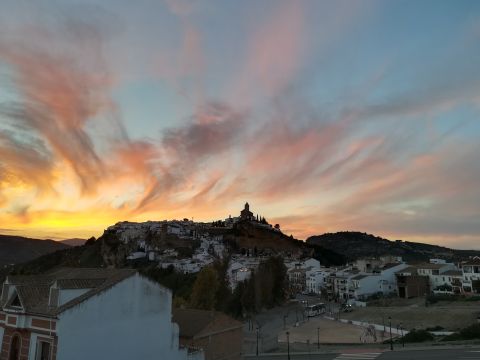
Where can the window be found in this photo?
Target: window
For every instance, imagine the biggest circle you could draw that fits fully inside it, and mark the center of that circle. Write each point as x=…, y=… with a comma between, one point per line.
x=16, y=302
x=43, y=350
x=15, y=348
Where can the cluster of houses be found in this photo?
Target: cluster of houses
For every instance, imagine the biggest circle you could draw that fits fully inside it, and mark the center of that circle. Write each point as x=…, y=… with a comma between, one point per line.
x=384, y=276
x=142, y=239
x=205, y=238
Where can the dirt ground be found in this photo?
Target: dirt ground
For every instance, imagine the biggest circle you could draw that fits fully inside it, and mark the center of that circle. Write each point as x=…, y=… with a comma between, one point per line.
x=331, y=332
x=450, y=316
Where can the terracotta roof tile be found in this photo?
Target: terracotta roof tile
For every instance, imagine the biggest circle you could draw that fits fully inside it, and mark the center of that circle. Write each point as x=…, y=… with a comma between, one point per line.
x=34, y=290
x=195, y=323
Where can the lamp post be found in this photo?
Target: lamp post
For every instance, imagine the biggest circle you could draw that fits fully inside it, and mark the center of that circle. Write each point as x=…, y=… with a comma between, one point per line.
x=258, y=332
x=288, y=345
x=318, y=338
x=391, y=339
x=403, y=339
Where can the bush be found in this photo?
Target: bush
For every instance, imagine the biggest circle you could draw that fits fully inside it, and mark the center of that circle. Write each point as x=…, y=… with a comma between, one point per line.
x=471, y=332
x=416, y=336
x=435, y=328
x=432, y=299
x=468, y=333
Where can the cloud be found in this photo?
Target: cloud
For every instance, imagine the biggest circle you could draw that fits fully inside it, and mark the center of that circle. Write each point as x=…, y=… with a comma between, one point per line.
x=364, y=163
x=58, y=94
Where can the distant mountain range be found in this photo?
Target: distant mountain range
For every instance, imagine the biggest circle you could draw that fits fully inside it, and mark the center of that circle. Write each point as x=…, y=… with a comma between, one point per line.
x=18, y=249
x=331, y=249
x=354, y=245
x=74, y=242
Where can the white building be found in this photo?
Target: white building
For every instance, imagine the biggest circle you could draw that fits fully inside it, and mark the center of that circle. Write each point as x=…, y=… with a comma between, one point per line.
x=93, y=314
x=435, y=271
x=471, y=276
x=311, y=263
x=352, y=284
x=316, y=281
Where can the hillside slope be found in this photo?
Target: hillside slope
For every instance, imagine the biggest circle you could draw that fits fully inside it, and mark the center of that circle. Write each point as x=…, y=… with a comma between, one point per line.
x=356, y=245
x=74, y=242
x=18, y=249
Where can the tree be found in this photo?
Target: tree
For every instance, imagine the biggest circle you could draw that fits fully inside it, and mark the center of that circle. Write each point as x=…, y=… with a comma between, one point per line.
x=205, y=289
x=223, y=292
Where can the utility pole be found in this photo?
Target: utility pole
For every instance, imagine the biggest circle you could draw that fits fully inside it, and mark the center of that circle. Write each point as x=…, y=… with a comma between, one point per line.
x=318, y=338
x=391, y=339
x=403, y=339
x=258, y=331
x=288, y=345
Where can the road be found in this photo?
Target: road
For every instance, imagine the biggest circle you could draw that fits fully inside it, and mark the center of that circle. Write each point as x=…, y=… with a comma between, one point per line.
x=428, y=354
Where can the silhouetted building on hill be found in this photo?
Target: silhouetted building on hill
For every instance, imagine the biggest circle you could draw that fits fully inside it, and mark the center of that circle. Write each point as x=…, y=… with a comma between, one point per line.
x=246, y=214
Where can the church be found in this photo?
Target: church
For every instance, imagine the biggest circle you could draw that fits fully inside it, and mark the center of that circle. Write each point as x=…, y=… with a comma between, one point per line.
x=246, y=214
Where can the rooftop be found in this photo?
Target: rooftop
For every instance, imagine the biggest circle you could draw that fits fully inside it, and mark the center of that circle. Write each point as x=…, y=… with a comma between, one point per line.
x=195, y=323
x=34, y=290
x=430, y=266
x=453, y=273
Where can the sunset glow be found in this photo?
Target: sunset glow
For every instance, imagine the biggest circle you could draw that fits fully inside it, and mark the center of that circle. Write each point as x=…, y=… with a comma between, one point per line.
x=324, y=116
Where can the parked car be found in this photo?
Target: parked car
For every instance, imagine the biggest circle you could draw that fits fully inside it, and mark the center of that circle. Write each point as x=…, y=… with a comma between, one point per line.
x=347, y=308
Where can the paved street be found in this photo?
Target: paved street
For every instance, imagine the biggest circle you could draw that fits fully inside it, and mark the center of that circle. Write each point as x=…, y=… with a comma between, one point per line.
x=351, y=354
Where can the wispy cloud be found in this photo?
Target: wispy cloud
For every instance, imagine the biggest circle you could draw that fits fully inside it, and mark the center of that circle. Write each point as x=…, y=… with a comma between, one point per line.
x=360, y=162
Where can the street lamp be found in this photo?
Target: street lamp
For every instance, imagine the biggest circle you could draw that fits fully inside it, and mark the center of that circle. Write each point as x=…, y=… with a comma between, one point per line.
x=391, y=339
x=401, y=331
x=288, y=345
x=258, y=331
x=318, y=338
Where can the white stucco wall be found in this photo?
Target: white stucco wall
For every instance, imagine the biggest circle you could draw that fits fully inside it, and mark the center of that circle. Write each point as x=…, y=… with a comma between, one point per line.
x=131, y=320
x=65, y=295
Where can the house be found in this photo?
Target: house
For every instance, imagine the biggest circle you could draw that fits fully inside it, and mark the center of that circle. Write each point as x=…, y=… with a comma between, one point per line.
x=412, y=284
x=75, y=313
x=297, y=279
x=367, y=265
x=219, y=335
x=315, y=280
x=471, y=276
x=311, y=263
x=449, y=282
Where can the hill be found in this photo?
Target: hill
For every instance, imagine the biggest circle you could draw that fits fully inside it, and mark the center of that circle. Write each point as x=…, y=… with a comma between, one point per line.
x=124, y=238
x=354, y=245
x=74, y=242
x=18, y=249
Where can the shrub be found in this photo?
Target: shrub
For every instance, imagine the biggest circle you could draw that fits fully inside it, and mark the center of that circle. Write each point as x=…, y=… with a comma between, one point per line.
x=416, y=336
x=435, y=328
x=468, y=333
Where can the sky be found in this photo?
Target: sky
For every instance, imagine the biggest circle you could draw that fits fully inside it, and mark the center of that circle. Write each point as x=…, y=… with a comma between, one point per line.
x=323, y=115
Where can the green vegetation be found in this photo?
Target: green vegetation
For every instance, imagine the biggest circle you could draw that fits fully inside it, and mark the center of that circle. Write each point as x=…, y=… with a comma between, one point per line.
x=180, y=284
x=432, y=299
x=204, y=290
x=266, y=288
x=326, y=256
x=469, y=333
x=209, y=289
x=416, y=336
